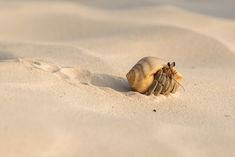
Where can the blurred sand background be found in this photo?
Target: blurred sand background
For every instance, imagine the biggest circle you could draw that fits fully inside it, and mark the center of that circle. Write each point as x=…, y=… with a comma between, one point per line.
x=63, y=86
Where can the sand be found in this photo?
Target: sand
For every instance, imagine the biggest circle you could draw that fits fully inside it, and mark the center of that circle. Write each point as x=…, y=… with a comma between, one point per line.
x=64, y=91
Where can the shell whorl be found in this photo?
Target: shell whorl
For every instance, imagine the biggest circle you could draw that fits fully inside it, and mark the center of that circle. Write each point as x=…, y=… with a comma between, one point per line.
x=141, y=76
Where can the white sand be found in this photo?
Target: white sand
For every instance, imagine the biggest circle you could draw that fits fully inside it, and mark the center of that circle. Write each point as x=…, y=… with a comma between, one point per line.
x=64, y=91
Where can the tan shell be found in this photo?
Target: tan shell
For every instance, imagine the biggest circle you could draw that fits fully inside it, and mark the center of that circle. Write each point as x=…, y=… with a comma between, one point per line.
x=141, y=76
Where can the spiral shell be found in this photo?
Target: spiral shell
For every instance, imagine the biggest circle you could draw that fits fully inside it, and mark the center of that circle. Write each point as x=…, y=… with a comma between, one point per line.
x=141, y=75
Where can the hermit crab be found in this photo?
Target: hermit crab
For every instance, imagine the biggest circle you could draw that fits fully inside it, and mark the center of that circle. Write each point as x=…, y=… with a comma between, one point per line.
x=152, y=75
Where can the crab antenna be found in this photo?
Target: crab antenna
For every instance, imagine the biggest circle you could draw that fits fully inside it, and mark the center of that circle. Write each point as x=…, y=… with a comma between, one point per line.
x=179, y=84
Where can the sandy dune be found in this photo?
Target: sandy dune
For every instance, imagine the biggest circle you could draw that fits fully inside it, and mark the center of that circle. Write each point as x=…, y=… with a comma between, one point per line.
x=64, y=91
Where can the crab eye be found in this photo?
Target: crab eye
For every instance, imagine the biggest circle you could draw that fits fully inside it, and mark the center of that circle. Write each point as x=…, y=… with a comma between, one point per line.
x=173, y=64
x=168, y=64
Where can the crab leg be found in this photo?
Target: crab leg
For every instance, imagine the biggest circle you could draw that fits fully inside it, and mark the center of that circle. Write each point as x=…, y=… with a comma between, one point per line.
x=155, y=82
x=160, y=86
x=166, y=85
x=175, y=87
x=170, y=88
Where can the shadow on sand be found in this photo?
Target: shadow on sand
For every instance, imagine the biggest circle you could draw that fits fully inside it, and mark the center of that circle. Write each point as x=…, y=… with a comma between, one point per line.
x=6, y=56
x=110, y=81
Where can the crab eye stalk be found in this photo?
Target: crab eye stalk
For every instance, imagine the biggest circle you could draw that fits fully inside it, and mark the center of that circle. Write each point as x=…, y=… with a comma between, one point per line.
x=169, y=64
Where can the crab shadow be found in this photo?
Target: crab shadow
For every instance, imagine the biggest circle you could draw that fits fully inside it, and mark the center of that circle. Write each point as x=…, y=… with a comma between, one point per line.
x=6, y=56
x=116, y=83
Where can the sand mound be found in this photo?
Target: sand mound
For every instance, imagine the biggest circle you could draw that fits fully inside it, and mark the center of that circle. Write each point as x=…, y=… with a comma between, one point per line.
x=183, y=41
x=186, y=47
x=52, y=53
